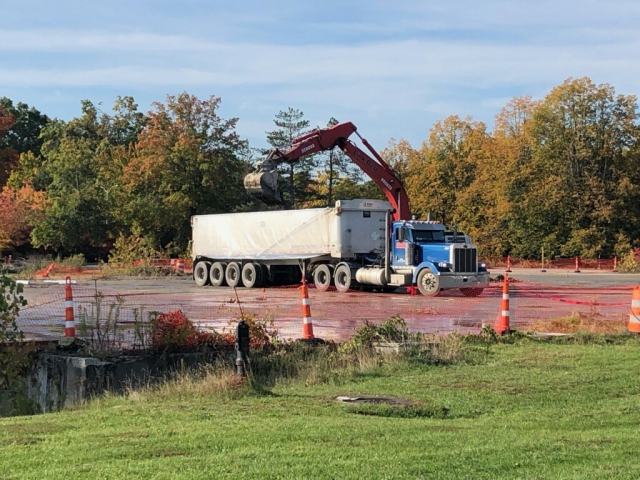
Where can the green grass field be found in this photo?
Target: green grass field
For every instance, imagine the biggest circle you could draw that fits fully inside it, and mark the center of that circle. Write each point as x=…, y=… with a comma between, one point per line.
x=530, y=410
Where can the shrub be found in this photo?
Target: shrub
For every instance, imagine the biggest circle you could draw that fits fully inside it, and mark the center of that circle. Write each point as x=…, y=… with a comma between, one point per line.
x=75, y=261
x=262, y=333
x=394, y=329
x=630, y=262
x=14, y=352
x=10, y=335
x=128, y=249
x=174, y=331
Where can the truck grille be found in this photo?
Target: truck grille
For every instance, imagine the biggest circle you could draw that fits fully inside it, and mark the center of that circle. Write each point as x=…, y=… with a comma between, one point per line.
x=465, y=260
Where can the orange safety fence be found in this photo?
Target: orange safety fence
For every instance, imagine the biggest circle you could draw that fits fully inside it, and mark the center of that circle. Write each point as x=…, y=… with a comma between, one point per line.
x=56, y=270
x=609, y=264
x=121, y=319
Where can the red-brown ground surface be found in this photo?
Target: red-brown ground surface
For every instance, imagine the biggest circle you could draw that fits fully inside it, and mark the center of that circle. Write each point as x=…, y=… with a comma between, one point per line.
x=535, y=296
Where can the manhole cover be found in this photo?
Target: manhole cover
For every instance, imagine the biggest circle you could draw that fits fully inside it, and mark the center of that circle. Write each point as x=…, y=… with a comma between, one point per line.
x=375, y=400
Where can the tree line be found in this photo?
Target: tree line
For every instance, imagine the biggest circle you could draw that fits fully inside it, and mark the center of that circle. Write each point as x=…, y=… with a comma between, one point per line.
x=561, y=173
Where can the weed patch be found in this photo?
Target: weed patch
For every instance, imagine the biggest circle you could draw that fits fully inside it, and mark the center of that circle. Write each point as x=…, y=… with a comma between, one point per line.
x=592, y=322
x=210, y=381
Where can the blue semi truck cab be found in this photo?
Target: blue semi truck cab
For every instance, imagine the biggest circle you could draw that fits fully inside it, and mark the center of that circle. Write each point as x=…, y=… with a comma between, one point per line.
x=425, y=254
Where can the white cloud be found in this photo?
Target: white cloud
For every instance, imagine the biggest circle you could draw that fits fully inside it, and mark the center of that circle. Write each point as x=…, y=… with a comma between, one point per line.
x=361, y=69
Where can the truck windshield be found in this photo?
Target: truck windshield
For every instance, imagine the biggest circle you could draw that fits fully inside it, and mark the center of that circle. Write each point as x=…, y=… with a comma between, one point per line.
x=428, y=236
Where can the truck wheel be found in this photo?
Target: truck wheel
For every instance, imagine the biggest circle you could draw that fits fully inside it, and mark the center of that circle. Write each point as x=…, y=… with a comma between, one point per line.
x=342, y=278
x=428, y=283
x=251, y=275
x=216, y=274
x=201, y=273
x=265, y=275
x=471, y=291
x=233, y=275
x=322, y=277
x=261, y=275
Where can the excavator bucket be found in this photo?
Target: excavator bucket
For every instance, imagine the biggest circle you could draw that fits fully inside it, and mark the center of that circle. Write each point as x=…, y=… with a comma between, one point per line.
x=264, y=185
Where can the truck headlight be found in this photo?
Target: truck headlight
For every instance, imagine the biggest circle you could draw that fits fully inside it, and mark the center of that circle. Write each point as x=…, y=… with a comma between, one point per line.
x=444, y=265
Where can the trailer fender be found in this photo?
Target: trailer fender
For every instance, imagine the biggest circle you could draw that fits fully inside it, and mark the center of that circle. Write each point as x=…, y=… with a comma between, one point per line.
x=422, y=266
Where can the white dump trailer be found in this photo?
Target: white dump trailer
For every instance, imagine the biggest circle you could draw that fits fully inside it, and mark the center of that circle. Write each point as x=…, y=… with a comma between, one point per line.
x=354, y=244
x=259, y=248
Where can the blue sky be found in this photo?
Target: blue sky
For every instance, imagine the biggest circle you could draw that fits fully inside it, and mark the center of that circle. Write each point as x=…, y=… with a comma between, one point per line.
x=393, y=68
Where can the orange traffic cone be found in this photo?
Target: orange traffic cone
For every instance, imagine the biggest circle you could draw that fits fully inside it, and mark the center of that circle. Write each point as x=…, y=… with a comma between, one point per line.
x=307, y=321
x=180, y=266
x=69, y=320
x=634, y=317
x=502, y=325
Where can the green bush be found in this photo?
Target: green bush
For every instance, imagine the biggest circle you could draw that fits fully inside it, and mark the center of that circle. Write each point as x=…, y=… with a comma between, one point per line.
x=14, y=352
x=128, y=249
x=630, y=262
x=76, y=261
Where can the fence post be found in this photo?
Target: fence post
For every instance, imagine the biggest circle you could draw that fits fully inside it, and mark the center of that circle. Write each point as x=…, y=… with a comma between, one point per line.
x=242, y=347
x=69, y=323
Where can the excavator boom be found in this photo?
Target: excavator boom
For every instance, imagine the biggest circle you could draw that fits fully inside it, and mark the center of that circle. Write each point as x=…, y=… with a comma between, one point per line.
x=264, y=181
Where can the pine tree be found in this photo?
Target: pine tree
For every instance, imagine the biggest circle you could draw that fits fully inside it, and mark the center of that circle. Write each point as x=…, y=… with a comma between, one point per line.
x=291, y=124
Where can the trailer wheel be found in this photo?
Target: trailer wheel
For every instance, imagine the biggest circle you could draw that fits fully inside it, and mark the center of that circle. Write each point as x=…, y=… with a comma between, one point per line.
x=322, y=277
x=201, y=274
x=261, y=275
x=251, y=275
x=428, y=283
x=342, y=278
x=265, y=275
x=233, y=275
x=471, y=291
x=216, y=274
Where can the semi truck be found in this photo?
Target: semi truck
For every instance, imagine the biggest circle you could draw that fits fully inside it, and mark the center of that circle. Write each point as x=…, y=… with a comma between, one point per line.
x=365, y=244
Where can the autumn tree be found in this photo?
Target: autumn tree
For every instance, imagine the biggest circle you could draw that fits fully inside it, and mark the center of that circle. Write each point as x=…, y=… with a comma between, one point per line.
x=438, y=175
x=561, y=174
x=584, y=137
x=188, y=161
x=502, y=182
x=398, y=155
x=76, y=169
x=19, y=211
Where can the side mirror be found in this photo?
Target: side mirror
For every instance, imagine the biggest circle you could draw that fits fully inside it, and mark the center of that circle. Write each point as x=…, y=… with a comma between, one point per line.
x=400, y=235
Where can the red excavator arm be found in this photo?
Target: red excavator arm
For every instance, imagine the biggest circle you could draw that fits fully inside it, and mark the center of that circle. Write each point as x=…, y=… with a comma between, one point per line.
x=264, y=180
